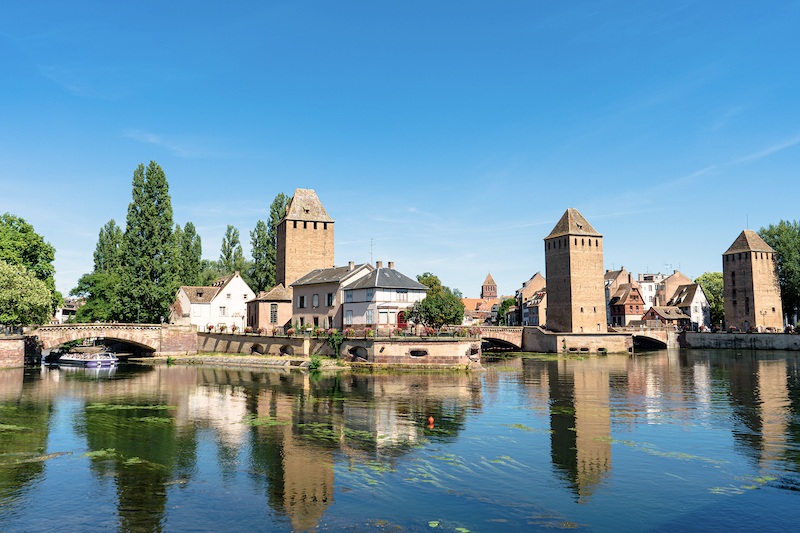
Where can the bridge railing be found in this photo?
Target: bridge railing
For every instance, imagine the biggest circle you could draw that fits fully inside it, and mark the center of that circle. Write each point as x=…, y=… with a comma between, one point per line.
x=7, y=331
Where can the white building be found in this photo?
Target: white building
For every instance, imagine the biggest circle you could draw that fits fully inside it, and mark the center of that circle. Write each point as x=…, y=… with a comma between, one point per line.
x=224, y=303
x=381, y=298
x=692, y=301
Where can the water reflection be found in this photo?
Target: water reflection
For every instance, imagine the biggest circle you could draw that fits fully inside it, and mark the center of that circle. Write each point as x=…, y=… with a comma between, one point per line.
x=209, y=438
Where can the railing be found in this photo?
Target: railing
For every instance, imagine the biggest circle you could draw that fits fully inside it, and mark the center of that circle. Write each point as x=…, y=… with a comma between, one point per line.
x=8, y=331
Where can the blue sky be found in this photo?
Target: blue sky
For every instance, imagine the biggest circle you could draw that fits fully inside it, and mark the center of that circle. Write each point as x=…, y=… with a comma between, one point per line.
x=447, y=137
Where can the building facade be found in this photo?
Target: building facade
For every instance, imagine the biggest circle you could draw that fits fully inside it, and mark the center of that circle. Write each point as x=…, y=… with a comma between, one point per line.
x=318, y=296
x=221, y=305
x=271, y=311
x=305, y=238
x=574, y=269
x=693, y=302
x=751, y=289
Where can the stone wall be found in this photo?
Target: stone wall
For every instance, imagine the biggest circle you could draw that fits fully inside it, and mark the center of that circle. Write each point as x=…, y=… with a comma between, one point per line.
x=740, y=341
x=537, y=340
x=178, y=340
x=12, y=352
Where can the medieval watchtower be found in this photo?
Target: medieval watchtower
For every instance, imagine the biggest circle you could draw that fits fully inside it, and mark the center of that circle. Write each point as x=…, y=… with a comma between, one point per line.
x=574, y=270
x=305, y=238
x=751, y=290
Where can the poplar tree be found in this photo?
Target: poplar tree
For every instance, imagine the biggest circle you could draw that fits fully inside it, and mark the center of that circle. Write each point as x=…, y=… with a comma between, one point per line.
x=263, y=278
x=231, y=257
x=277, y=210
x=148, y=280
x=190, y=251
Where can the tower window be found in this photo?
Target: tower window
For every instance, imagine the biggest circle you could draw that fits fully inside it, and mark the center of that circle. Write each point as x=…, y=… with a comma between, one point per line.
x=315, y=225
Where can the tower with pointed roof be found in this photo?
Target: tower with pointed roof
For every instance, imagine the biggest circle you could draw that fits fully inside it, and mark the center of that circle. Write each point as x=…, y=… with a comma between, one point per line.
x=489, y=288
x=305, y=238
x=751, y=289
x=573, y=254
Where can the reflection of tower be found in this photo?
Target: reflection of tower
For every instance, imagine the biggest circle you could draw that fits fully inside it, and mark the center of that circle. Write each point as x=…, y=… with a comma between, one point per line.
x=580, y=420
x=774, y=396
x=574, y=271
x=752, y=293
x=305, y=238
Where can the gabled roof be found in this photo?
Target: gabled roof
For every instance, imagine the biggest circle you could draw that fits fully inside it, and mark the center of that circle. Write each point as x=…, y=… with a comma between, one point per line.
x=386, y=278
x=612, y=275
x=623, y=294
x=278, y=293
x=489, y=281
x=329, y=275
x=305, y=205
x=749, y=241
x=684, y=295
x=572, y=223
x=200, y=295
x=669, y=313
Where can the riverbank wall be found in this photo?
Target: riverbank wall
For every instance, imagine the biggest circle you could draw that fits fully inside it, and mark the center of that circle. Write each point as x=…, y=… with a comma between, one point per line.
x=12, y=351
x=739, y=341
x=535, y=339
x=394, y=351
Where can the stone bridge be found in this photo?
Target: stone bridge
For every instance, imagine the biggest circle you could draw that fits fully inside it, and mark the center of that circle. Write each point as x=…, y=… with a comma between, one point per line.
x=508, y=335
x=160, y=339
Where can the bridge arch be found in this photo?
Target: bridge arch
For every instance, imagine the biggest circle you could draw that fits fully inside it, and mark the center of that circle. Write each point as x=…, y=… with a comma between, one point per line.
x=643, y=341
x=506, y=337
x=158, y=338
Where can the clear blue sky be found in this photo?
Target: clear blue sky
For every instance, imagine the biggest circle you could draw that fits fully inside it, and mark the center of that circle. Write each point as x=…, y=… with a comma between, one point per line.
x=445, y=136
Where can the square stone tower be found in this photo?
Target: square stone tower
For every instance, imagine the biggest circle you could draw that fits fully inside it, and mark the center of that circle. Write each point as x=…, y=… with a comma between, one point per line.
x=751, y=289
x=305, y=238
x=573, y=255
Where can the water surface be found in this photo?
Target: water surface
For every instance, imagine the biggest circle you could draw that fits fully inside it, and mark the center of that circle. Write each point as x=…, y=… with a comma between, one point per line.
x=689, y=440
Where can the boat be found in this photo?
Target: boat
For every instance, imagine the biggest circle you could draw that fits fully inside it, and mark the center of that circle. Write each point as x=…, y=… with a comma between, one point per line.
x=88, y=360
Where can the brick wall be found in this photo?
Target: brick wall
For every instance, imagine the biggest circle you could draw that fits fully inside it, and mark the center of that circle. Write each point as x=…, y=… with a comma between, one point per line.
x=12, y=352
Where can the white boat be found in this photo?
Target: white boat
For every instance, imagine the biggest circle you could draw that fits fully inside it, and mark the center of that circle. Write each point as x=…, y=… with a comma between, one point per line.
x=88, y=360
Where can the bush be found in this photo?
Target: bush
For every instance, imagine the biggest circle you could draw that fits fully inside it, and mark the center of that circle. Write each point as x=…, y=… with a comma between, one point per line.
x=315, y=363
x=290, y=332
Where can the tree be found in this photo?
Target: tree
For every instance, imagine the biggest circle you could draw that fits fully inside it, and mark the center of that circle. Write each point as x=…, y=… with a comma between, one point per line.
x=262, y=275
x=189, y=256
x=504, y=307
x=148, y=281
x=784, y=238
x=24, y=298
x=277, y=210
x=21, y=245
x=439, y=307
x=108, y=251
x=231, y=257
x=712, y=285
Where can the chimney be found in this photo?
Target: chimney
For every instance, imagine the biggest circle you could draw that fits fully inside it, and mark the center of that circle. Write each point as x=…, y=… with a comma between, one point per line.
x=378, y=264
x=350, y=266
x=391, y=265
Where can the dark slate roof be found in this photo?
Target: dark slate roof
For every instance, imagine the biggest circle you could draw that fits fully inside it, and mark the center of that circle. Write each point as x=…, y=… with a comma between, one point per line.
x=305, y=205
x=749, y=241
x=327, y=275
x=670, y=312
x=684, y=295
x=387, y=278
x=572, y=223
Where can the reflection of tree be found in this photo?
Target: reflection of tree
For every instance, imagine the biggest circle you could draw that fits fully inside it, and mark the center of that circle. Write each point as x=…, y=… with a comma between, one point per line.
x=793, y=424
x=137, y=444
x=25, y=427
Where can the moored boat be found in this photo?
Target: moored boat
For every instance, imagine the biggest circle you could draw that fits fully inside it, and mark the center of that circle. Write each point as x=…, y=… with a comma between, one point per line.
x=88, y=360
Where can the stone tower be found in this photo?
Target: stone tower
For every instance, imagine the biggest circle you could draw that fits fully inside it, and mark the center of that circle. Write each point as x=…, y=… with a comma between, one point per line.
x=573, y=255
x=750, y=284
x=305, y=238
x=489, y=288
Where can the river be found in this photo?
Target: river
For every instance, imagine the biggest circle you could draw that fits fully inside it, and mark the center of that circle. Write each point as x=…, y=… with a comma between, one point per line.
x=665, y=441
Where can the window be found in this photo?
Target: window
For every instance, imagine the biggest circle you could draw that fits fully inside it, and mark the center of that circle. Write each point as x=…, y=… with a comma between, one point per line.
x=244, y=296
x=301, y=302
x=348, y=297
x=348, y=317
x=370, y=294
x=223, y=311
x=402, y=295
x=315, y=301
x=316, y=321
x=273, y=313
x=384, y=316
x=228, y=296
x=369, y=317
x=329, y=299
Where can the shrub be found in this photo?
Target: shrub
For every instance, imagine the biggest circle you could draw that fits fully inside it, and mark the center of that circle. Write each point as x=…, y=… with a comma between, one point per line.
x=248, y=329
x=210, y=327
x=223, y=328
x=290, y=332
x=369, y=332
x=349, y=332
x=315, y=363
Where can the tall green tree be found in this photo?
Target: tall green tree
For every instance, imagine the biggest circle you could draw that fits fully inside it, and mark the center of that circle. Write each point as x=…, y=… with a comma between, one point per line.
x=24, y=298
x=277, y=210
x=505, y=305
x=148, y=281
x=231, y=257
x=21, y=245
x=784, y=238
x=439, y=307
x=261, y=272
x=189, y=256
x=100, y=287
x=712, y=285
